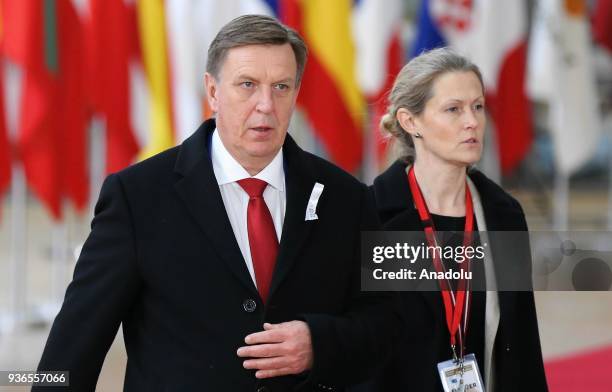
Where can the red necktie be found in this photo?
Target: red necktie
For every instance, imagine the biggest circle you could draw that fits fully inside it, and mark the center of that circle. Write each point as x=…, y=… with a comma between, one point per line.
x=262, y=236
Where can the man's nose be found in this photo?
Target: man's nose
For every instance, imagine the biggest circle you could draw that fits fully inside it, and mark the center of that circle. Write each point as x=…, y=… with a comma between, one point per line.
x=264, y=100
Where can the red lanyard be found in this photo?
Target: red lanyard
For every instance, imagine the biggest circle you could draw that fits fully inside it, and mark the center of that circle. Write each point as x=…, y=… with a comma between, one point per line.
x=455, y=304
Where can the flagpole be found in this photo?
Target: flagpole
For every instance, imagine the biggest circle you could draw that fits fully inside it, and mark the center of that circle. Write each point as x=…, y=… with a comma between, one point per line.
x=18, y=259
x=489, y=161
x=17, y=274
x=561, y=202
x=59, y=266
x=97, y=160
x=610, y=185
x=46, y=311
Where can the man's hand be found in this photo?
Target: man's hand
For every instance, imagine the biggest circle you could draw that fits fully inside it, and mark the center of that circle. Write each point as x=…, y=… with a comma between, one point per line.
x=278, y=350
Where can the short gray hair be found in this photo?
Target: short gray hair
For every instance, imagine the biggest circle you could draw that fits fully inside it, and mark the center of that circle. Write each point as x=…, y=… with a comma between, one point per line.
x=255, y=30
x=413, y=88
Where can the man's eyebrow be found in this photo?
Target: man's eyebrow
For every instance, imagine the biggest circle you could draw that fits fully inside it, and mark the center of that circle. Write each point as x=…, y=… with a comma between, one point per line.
x=285, y=80
x=246, y=76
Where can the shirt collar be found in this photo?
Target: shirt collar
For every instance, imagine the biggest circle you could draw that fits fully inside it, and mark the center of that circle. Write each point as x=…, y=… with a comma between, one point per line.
x=228, y=170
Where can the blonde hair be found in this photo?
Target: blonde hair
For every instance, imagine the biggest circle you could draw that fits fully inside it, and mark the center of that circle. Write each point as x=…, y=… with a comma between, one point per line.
x=413, y=88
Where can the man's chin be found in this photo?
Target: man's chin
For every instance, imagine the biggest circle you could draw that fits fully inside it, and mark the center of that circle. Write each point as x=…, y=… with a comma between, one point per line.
x=263, y=154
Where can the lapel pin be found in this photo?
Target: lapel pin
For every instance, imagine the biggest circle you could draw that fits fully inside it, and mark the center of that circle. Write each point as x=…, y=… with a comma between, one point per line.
x=311, y=208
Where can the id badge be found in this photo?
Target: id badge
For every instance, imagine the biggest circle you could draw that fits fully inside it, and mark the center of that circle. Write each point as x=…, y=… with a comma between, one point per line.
x=456, y=379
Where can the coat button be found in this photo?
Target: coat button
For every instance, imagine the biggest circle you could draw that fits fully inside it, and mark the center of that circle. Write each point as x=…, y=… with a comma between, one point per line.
x=249, y=305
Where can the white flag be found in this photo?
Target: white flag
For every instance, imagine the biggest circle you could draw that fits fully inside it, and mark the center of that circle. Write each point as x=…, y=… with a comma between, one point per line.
x=561, y=74
x=192, y=25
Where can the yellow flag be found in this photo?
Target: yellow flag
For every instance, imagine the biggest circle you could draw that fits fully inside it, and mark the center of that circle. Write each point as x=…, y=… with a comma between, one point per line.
x=152, y=28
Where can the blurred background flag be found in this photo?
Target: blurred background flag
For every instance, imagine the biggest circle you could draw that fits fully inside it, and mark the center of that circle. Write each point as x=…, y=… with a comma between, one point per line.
x=183, y=53
x=602, y=23
x=561, y=74
x=72, y=120
x=329, y=93
x=36, y=141
x=152, y=27
x=44, y=39
x=110, y=48
x=5, y=149
x=493, y=35
x=377, y=27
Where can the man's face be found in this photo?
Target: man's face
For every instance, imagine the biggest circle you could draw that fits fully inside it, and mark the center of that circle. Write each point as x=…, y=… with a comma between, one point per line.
x=253, y=97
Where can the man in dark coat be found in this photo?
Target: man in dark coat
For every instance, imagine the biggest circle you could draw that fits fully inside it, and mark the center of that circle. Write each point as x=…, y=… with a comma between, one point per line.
x=220, y=286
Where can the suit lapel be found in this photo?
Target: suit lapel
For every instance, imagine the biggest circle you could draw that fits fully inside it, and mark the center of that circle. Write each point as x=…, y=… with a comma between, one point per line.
x=199, y=190
x=299, y=184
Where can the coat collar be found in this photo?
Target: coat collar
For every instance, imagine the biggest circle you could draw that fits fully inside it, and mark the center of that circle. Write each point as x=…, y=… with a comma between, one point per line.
x=393, y=198
x=199, y=190
x=391, y=190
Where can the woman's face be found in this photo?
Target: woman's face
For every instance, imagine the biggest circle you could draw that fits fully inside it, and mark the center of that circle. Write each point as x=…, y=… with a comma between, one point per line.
x=452, y=124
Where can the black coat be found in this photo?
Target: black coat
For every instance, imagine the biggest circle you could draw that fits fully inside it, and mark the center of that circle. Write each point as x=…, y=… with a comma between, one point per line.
x=162, y=260
x=518, y=358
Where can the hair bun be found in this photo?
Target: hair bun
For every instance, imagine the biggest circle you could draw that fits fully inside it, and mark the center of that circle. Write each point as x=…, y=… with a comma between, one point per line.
x=387, y=122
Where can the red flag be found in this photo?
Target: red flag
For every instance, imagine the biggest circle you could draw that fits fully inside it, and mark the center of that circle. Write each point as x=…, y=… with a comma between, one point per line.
x=71, y=101
x=111, y=41
x=31, y=41
x=602, y=23
x=43, y=38
x=510, y=109
x=5, y=150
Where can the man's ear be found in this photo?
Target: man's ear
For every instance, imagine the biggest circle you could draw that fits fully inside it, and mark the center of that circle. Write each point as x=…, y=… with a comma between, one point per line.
x=408, y=121
x=297, y=92
x=210, y=84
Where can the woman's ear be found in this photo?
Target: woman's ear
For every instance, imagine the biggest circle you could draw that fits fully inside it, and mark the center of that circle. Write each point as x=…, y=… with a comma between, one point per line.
x=407, y=121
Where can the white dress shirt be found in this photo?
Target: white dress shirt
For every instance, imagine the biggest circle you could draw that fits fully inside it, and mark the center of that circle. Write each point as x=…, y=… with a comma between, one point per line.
x=228, y=171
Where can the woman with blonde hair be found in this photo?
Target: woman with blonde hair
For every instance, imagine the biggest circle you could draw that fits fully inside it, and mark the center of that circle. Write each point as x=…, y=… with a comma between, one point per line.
x=437, y=114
